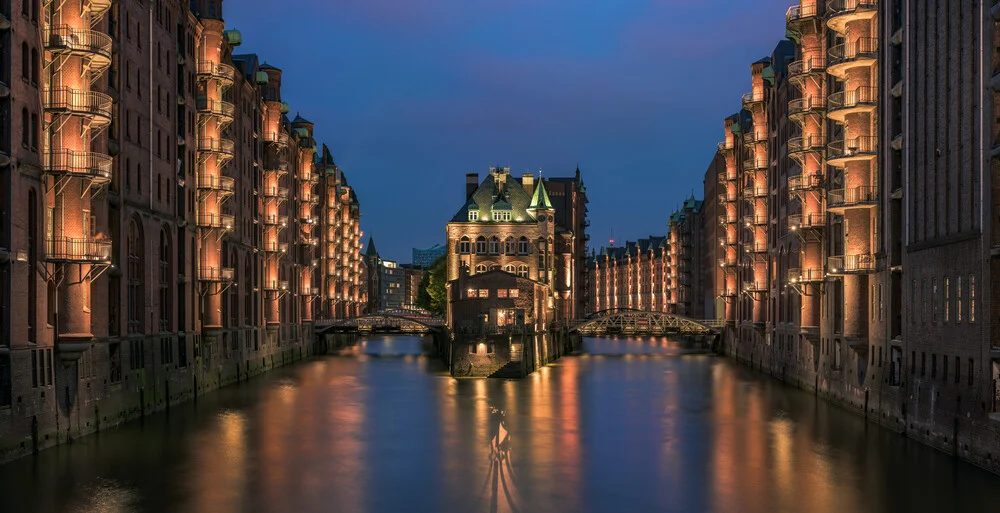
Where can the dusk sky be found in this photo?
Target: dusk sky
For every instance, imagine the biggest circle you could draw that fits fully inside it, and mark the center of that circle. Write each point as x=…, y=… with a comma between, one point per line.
x=410, y=95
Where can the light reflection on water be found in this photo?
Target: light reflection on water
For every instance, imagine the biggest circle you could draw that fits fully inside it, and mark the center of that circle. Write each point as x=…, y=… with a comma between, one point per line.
x=632, y=425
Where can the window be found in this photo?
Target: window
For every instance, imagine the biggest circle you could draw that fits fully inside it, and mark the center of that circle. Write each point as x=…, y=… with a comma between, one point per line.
x=41, y=367
x=972, y=302
x=501, y=215
x=473, y=215
x=934, y=301
x=501, y=292
x=958, y=299
x=944, y=368
x=523, y=248
x=510, y=269
x=958, y=370
x=166, y=299
x=494, y=246
x=464, y=245
x=25, y=128
x=5, y=381
x=25, y=63
x=34, y=66
x=933, y=365
x=947, y=299
x=481, y=268
x=135, y=277
x=35, y=131
x=522, y=271
x=513, y=293
x=115, y=360
x=481, y=245
x=972, y=371
x=923, y=364
x=913, y=362
x=137, y=355
x=472, y=293
x=483, y=293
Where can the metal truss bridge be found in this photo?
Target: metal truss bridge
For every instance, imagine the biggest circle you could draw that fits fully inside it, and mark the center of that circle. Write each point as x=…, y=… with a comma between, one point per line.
x=627, y=321
x=387, y=321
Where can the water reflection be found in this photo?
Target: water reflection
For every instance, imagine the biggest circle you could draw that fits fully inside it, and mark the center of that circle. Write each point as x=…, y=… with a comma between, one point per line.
x=630, y=426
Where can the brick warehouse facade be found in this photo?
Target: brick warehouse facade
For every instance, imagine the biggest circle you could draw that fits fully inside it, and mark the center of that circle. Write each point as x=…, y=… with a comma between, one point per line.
x=859, y=219
x=514, y=225
x=162, y=224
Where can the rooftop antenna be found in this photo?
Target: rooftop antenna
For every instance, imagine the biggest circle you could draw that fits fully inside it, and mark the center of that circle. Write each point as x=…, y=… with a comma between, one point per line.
x=611, y=241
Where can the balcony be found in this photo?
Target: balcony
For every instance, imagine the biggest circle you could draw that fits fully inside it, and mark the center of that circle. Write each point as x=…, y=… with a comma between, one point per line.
x=276, y=285
x=96, y=107
x=839, y=200
x=841, y=12
x=851, y=264
x=278, y=170
x=813, y=221
x=751, y=138
x=726, y=176
x=276, y=221
x=727, y=241
x=224, y=185
x=727, y=262
x=725, y=146
x=800, y=17
x=755, y=287
x=844, y=103
x=801, y=147
x=220, y=147
x=215, y=274
x=217, y=108
x=89, y=44
x=280, y=248
x=752, y=220
x=727, y=196
x=752, y=165
x=806, y=275
x=799, y=70
x=82, y=164
x=77, y=250
x=222, y=72
x=753, y=192
x=215, y=221
x=843, y=57
x=277, y=193
x=753, y=99
x=839, y=153
x=800, y=107
x=277, y=138
x=755, y=247
x=725, y=219
x=799, y=184
x=727, y=292
x=97, y=8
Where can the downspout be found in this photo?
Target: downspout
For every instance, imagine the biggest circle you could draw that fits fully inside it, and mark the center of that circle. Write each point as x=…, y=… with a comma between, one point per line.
x=149, y=94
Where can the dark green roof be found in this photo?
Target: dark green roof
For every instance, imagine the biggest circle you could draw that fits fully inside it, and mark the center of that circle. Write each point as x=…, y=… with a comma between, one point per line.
x=489, y=193
x=370, y=250
x=540, y=200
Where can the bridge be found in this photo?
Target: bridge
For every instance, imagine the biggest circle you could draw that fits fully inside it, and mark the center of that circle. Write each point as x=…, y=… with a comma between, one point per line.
x=386, y=321
x=629, y=321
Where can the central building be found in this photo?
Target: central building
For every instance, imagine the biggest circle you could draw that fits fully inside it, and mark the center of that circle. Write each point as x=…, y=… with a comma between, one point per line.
x=505, y=225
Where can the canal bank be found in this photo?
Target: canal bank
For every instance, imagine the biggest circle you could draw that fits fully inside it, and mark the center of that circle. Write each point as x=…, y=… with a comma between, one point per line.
x=157, y=375
x=872, y=389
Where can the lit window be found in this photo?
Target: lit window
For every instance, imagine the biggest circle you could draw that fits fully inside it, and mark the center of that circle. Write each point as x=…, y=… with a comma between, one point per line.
x=472, y=293
x=484, y=292
x=958, y=302
x=473, y=215
x=513, y=293
x=501, y=292
x=972, y=306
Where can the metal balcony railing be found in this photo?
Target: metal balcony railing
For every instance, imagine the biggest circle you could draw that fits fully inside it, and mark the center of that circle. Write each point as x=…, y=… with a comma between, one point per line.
x=755, y=286
x=753, y=137
x=809, y=182
x=836, y=8
x=800, y=13
x=219, y=183
x=755, y=246
x=850, y=149
x=79, y=103
x=79, y=250
x=215, y=274
x=217, y=70
x=806, y=66
x=220, y=146
x=279, y=169
x=725, y=145
x=84, y=164
x=854, y=196
x=725, y=219
x=279, y=138
x=753, y=192
x=727, y=261
x=276, y=192
x=275, y=220
x=857, y=97
x=806, y=221
x=727, y=196
x=276, y=247
x=753, y=98
x=808, y=143
x=66, y=39
x=725, y=176
x=751, y=220
x=210, y=220
x=851, y=264
x=806, y=105
x=753, y=164
x=862, y=48
x=222, y=109
x=727, y=241
x=806, y=275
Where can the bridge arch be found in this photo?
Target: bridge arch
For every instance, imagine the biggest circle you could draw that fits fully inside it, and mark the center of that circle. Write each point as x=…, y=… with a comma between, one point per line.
x=630, y=321
x=381, y=322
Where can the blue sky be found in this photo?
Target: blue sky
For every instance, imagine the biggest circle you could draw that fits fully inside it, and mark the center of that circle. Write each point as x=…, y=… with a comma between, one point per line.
x=410, y=95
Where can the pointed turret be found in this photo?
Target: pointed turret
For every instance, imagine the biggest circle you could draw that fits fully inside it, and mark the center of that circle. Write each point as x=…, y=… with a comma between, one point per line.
x=540, y=200
x=370, y=251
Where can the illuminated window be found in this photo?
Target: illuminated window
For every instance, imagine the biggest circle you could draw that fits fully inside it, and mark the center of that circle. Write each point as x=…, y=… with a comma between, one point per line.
x=972, y=306
x=484, y=293
x=947, y=299
x=501, y=292
x=481, y=268
x=958, y=299
x=473, y=215
x=501, y=215
x=472, y=293
x=513, y=293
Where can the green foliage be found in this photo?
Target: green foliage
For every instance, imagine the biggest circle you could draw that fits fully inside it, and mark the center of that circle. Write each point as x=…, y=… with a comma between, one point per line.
x=432, y=295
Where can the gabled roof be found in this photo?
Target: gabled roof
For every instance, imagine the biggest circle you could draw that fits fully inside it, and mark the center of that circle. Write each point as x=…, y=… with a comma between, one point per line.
x=370, y=250
x=487, y=195
x=300, y=119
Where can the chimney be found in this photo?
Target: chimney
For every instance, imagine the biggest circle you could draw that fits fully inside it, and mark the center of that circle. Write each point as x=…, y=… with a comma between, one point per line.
x=528, y=181
x=471, y=184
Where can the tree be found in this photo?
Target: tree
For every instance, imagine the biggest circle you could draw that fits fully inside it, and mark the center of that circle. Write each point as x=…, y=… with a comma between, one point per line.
x=431, y=295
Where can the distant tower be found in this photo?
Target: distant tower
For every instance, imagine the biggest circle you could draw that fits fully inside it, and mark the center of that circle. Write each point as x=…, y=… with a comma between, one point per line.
x=374, y=264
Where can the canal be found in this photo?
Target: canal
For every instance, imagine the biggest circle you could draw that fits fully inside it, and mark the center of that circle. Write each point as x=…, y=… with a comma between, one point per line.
x=629, y=425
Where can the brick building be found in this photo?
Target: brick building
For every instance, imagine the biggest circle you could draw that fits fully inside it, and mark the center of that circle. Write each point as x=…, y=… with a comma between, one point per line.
x=158, y=215
x=512, y=225
x=858, y=216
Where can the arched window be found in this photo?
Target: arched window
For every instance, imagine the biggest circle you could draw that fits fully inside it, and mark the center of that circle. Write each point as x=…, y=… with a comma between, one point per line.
x=247, y=300
x=481, y=245
x=510, y=247
x=510, y=269
x=135, y=275
x=35, y=64
x=211, y=9
x=494, y=245
x=464, y=245
x=25, y=63
x=166, y=280
x=481, y=268
x=523, y=246
x=522, y=271
x=25, y=128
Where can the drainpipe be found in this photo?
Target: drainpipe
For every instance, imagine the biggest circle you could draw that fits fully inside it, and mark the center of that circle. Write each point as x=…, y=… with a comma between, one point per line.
x=149, y=94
